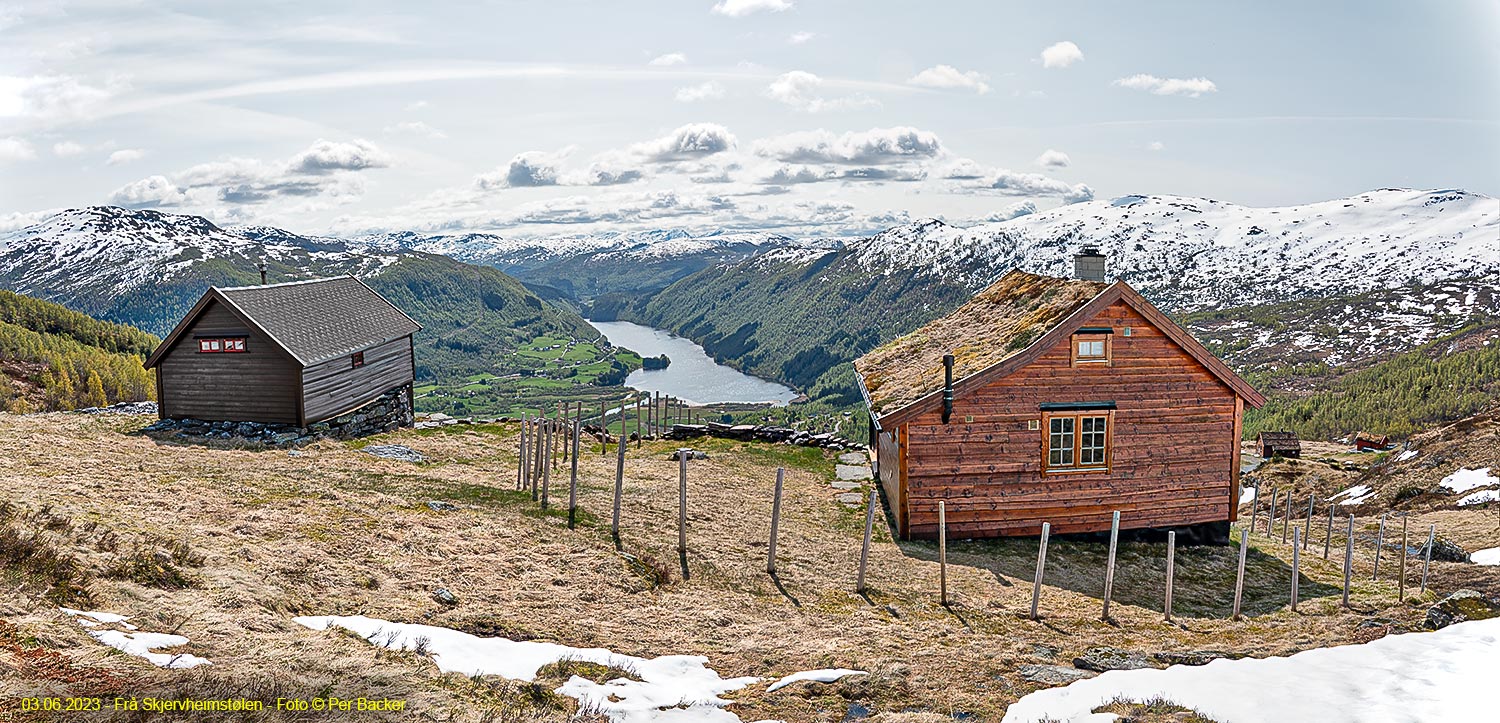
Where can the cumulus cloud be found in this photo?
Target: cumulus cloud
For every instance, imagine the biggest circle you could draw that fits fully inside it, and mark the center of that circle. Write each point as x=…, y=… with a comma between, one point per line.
x=330, y=156
x=416, y=128
x=125, y=155
x=1191, y=87
x=947, y=76
x=526, y=170
x=741, y=8
x=688, y=142
x=51, y=97
x=1061, y=55
x=1005, y=182
x=801, y=38
x=872, y=147
x=709, y=90
x=1155, y=146
x=1053, y=159
x=1015, y=210
x=16, y=149
x=148, y=192
x=669, y=59
x=65, y=149
x=800, y=89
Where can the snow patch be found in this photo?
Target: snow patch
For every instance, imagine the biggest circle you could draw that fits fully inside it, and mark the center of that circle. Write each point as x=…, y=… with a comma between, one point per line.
x=138, y=644
x=1468, y=479
x=824, y=675
x=1356, y=495
x=676, y=688
x=1247, y=495
x=1447, y=675
x=1489, y=556
x=1408, y=454
x=1479, y=498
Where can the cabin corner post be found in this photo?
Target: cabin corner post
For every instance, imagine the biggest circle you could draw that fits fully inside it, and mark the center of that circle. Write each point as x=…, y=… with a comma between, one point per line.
x=1234, y=459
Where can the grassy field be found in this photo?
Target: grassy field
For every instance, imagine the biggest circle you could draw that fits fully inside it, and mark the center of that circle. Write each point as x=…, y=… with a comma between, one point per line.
x=557, y=370
x=268, y=535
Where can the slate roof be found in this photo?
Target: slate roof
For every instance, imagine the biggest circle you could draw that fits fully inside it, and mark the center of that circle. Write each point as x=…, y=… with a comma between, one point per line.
x=313, y=320
x=1281, y=441
x=999, y=322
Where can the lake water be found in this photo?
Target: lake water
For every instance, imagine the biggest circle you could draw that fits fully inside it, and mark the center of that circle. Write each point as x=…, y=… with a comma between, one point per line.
x=693, y=375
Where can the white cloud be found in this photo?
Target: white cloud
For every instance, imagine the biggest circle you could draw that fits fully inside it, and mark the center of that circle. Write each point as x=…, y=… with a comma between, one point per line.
x=16, y=149
x=64, y=149
x=148, y=192
x=417, y=128
x=799, y=89
x=329, y=156
x=669, y=59
x=339, y=33
x=526, y=170
x=1191, y=87
x=1155, y=146
x=872, y=147
x=1053, y=159
x=801, y=38
x=708, y=90
x=125, y=155
x=50, y=97
x=741, y=8
x=1061, y=55
x=688, y=142
x=416, y=105
x=1005, y=182
x=947, y=76
x=1015, y=210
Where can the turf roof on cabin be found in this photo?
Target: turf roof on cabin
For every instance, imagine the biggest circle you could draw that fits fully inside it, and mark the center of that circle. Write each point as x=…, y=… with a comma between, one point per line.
x=996, y=324
x=324, y=318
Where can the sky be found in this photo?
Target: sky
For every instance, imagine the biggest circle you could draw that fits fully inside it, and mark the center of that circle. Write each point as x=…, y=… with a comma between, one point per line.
x=806, y=117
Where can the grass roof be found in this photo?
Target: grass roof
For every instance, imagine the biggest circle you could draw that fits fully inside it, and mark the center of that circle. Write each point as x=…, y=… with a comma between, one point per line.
x=997, y=323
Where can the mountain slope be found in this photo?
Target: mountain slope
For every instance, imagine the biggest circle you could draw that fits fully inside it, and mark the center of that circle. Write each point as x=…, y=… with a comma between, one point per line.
x=54, y=358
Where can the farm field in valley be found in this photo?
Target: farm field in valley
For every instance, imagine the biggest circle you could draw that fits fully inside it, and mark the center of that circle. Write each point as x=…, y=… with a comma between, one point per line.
x=330, y=530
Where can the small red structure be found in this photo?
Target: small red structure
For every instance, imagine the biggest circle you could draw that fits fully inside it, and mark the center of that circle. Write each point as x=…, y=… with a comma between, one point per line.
x=1366, y=441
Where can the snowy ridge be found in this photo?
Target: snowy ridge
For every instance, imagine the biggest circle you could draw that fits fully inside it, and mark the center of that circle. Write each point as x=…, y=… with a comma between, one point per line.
x=1199, y=253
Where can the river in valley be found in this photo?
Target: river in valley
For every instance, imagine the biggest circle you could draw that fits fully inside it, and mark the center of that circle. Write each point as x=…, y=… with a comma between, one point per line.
x=693, y=375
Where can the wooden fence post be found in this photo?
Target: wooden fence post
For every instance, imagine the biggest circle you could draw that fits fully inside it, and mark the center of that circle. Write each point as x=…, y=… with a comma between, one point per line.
x=1348, y=561
x=1109, y=570
x=1427, y=556
x=614, y=527
x=682, y=458
x=1296, y=565
x=1254, y=508
x=775, y=521
x=604, y=427
x=1401, y=586
x=864, y=551
x=573, y=480
x=563, y=418
x=1171, y=568
x=547, y=473
x=1307, y=533
x=1271, y=514
x=1041, y=567
x=521, y=465
x=1379, y=543
x=536, y=458
x=1328, y=536
x=1239, y=578
x=943, y=551
x=640, y=434
x=1286, y=519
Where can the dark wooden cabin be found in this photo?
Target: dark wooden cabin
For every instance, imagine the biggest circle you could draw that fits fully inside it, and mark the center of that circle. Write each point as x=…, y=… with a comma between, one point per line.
x=1279, y=444
x=293, y=353
x=1055, y=400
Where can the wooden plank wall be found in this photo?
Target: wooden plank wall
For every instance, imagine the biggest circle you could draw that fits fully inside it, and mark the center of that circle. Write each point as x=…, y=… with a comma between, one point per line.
x=888, y=464
x=333, y=387
x=258, y=385
x=1174, y=445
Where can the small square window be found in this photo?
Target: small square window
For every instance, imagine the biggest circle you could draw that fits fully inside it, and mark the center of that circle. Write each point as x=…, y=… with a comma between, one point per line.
x=203, y=346
x=357, y=359
x=234, y=345
x=1091, y=349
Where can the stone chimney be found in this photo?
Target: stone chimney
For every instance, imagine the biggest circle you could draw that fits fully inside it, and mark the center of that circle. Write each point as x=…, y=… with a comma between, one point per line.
x=1088, y=264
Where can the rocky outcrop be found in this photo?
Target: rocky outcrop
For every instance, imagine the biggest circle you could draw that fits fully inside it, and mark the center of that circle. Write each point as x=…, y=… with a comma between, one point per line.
x=1104, y=658
x=387, y=413
x=1461, y=606
x=761, y=433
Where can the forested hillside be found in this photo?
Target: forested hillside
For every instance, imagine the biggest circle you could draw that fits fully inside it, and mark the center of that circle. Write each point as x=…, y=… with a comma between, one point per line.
x=52, y=358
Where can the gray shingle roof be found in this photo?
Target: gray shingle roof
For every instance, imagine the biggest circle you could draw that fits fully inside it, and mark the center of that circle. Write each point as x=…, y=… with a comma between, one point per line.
x=321, y=319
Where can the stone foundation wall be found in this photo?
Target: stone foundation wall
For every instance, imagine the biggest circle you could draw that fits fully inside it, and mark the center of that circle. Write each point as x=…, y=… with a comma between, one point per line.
x=388, y=412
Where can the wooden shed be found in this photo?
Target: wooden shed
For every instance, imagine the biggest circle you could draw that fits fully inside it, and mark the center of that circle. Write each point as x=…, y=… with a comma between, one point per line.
x=293, y=353
x=1279, y=444
x=1368, y=440
x=1055, y=400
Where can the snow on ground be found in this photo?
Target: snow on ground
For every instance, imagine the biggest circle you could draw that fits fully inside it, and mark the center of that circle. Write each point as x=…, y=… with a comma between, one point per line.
x=1490, y=556
x=1408, y=454
x=136, y=643
x=825, y=675
x=671, y=688
x=1356, y=495
x=1479, y=498
x=1247, y=495
x=1439, y=677
x=1468, y=479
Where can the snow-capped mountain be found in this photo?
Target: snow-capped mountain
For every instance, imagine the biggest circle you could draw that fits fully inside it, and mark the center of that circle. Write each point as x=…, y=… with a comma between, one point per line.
x=1195, y=253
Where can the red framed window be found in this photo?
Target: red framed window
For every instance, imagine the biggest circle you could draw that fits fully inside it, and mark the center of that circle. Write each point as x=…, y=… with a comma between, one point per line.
x=221, y=346
x=357, y=359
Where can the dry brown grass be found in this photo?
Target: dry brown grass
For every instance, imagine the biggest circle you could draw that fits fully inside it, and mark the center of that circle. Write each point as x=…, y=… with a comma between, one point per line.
x=336, y=531
x=1156, y=710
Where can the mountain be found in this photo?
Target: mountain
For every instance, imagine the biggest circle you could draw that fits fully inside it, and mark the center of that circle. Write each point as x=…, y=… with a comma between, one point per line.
x=55, y=358
x=146, y=268
x=795, y=314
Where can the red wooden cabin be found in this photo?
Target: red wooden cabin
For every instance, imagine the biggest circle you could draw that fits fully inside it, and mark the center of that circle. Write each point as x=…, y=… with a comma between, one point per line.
x=1055, y=400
